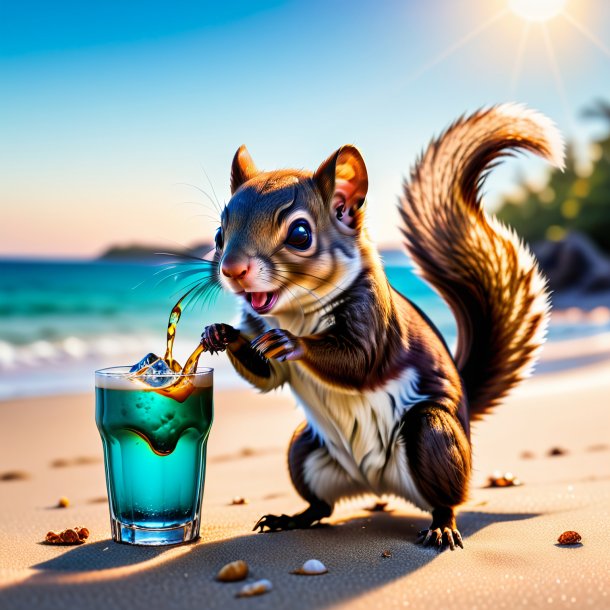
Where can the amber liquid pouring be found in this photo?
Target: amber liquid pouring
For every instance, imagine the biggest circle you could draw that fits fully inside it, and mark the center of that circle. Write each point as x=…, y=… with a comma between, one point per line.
x=183, y=387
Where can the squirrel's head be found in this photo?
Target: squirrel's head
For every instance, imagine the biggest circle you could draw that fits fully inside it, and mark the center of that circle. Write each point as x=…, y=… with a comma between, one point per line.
x=289, y=239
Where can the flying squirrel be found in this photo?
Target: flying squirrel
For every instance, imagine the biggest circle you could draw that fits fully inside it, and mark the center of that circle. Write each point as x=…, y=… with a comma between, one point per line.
x=388, y=407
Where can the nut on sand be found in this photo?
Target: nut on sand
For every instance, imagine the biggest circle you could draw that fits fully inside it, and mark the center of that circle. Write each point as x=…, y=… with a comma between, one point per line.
x=53, y=538
x=76, y=535
x=499, y=479
x=234, y=571
x=63, y=502
x=312, y=567
x=569, y=537
x=70, y=536
x=259, y=587
x=239, y=501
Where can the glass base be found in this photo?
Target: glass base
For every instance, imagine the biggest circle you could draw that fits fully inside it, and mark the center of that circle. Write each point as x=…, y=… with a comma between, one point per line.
x=132, y=534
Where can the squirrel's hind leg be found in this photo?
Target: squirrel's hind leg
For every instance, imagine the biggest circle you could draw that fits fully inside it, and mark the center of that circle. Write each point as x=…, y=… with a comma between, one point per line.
x=439, y=457
x=317, y=477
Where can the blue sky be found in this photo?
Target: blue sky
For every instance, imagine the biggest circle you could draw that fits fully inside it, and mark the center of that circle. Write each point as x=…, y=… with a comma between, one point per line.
x=107, y=109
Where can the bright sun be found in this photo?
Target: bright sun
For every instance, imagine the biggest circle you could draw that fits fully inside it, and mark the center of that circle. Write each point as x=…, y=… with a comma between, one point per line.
x=536, y=10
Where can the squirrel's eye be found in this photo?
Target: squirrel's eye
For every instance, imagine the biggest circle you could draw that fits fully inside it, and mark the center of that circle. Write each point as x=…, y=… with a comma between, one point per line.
x=299, y=235
x=219, y=239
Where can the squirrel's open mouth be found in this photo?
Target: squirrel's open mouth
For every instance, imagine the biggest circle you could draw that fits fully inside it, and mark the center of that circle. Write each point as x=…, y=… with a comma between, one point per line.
x=261, y=302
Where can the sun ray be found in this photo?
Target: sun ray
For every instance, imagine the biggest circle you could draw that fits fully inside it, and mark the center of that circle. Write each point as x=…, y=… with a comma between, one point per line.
x=586, y=33
x=458, y=44
x=536, y=10
x=557, y=75
x=519, y=57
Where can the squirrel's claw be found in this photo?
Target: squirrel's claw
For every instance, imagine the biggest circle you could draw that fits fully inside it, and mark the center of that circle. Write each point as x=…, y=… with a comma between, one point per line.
x=275, y=523
x=278, y=344
x=279, y=523
x=458, y=539
x=440, y=539
x=216, y=337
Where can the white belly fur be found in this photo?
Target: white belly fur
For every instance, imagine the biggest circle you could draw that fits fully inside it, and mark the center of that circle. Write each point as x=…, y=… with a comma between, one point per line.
x=359, y=431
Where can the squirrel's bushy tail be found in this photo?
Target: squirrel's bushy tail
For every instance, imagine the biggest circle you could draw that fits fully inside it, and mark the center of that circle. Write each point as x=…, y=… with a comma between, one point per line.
x=487, y=275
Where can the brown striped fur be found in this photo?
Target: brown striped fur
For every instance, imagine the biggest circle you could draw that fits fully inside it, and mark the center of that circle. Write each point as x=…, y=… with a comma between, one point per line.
x=487, y=276
x=439, y=453
x=388, y=406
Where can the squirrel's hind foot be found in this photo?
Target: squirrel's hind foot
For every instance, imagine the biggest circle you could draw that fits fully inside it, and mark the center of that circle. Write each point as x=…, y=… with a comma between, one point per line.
x=310, y=517
x=440, y=538
x=443, y=531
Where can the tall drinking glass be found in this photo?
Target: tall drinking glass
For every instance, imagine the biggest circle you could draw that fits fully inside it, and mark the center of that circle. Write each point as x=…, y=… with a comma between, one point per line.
x=154, y=454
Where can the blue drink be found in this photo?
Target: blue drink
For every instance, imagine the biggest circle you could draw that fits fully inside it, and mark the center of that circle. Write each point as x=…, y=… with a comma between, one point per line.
x=154, y=452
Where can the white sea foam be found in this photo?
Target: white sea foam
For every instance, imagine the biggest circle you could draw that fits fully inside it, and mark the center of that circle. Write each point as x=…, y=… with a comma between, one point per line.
x=121, y=348
x=74, y=347
x=43, y=350
x=23, y=372
x=7, y=355
x=66, y=365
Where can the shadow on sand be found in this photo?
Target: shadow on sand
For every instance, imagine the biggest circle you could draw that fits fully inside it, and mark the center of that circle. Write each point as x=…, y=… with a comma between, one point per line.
x=107, y=575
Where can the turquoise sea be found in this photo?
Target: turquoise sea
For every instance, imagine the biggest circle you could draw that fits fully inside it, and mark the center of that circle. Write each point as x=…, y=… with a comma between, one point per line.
x=60, y=320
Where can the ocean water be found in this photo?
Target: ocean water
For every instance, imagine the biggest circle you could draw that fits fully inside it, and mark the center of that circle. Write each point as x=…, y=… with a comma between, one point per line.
x=61, y=320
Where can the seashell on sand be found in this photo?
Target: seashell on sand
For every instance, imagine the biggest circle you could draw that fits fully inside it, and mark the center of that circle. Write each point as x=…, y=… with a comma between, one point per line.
x=232, y=572
x=312, y=567
x=259, y=587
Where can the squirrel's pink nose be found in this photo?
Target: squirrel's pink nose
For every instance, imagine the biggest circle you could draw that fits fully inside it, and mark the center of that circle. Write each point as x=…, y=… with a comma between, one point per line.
x=235, y=267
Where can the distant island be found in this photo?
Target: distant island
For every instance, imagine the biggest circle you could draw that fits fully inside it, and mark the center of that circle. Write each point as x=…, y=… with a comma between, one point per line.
x=143, y=253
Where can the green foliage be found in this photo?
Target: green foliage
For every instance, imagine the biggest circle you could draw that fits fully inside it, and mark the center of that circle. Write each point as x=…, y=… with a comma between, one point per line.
x=576, y=200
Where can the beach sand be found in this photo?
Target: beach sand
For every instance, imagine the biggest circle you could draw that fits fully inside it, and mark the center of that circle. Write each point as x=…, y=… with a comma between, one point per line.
x=49, y=447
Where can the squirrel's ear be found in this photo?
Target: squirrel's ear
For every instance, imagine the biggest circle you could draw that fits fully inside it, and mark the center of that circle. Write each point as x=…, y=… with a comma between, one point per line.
x=343, y=183
x=242, y=169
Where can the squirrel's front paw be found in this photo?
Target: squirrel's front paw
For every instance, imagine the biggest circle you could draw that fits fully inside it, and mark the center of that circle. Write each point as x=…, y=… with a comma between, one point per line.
x=278, y=344
x=216, y=337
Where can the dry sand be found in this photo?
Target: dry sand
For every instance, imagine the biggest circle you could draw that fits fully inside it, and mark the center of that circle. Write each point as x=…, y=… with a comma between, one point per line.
x=510, y=560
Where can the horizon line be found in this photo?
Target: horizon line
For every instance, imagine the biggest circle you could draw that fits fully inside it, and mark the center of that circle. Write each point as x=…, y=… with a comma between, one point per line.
x=58, y=257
